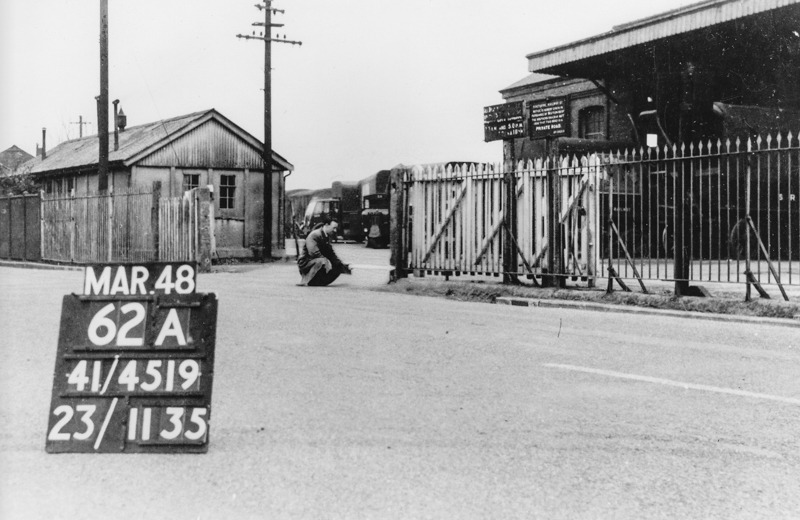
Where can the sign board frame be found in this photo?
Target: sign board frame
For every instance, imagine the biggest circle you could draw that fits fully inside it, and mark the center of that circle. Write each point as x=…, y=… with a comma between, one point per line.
x=549, y=117
x=134, y=367
x=503, y=121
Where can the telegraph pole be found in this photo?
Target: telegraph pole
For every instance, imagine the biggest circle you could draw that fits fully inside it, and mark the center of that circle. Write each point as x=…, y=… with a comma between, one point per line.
x=80, y=124
x=267, y=38
x=102, y=99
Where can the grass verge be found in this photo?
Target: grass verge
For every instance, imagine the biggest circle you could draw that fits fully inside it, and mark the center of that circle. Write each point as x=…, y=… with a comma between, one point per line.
x=721, y=302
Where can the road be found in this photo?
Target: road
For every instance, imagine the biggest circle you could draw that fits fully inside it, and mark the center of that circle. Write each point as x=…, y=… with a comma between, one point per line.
x=341, y=402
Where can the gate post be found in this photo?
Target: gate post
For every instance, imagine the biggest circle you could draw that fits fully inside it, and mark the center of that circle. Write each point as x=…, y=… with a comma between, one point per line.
x=591, y=198
x=510, y=216
x=555, y=256
x=205, y=230
x=397, y=231
x=682, y=216
x=682, y=257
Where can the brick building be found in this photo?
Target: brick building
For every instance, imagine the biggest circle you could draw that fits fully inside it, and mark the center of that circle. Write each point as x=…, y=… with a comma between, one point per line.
x=714, y=69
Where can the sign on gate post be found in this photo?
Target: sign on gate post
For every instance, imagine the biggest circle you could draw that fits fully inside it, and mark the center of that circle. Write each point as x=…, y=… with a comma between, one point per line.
x=135, y=362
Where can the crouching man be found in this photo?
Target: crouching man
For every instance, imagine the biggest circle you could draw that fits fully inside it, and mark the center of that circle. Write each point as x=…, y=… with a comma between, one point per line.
x=317, y=262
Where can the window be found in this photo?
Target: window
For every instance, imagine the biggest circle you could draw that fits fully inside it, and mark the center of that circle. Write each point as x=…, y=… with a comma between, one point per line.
x=592, y=122
x=61, y=186
x=191, y=181
x=227, y=191
x=322, y=207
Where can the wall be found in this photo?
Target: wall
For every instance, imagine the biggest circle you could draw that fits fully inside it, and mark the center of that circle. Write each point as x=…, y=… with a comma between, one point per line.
x=238, y=231
x=20, y=237
x=580, y=94
x=145, y=177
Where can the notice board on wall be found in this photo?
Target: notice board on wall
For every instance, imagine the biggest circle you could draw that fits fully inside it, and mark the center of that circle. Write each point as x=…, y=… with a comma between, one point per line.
x=548, y=118
x=505, y=121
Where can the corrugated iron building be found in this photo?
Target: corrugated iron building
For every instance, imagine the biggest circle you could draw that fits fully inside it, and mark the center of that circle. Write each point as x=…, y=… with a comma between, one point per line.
x=184, y=152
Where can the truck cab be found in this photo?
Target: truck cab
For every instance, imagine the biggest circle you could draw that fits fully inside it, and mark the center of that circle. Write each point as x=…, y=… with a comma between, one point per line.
x=318, y=209
x=375, y=220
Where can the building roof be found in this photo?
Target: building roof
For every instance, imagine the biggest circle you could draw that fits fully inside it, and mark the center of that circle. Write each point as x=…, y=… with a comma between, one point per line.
x=671, y=23
x=12, y=158
x=139, y=142
x=531, y=79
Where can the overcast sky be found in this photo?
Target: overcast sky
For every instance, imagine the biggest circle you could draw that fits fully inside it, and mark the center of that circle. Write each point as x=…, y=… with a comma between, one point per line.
x=375, y=83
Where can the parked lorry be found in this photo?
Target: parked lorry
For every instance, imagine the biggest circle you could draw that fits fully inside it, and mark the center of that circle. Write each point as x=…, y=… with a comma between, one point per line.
x=342, y=205
x=375, y=209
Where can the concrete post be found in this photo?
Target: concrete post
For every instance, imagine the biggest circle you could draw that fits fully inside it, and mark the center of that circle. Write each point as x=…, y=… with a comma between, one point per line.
x=205, y=223
x=510, y=180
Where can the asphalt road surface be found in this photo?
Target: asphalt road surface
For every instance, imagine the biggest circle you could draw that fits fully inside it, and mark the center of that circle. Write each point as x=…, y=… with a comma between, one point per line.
x=341, y=402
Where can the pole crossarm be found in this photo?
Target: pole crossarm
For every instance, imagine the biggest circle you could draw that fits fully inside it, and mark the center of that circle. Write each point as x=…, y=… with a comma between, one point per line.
x=267, y=6
x=264, y=38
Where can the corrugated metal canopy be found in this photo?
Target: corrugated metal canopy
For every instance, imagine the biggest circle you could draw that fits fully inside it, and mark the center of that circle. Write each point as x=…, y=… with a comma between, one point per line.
x=671, y=23
x=137, y=142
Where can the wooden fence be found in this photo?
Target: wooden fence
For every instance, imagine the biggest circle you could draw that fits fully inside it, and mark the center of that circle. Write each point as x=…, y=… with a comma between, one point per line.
x=20, y=228
x=127, y=226
x=709, y=212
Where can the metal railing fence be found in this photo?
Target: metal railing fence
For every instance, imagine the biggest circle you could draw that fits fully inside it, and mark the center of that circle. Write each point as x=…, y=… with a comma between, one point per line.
x=729, y=209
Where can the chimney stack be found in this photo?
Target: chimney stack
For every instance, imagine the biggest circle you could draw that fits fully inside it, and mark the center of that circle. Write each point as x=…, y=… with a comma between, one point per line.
x=44, y=146
x=122, y=119
x=116, y=125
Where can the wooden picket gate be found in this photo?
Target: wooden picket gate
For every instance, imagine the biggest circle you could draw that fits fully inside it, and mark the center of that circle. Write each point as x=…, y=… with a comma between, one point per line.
x=458, y=218
x=179, y=227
